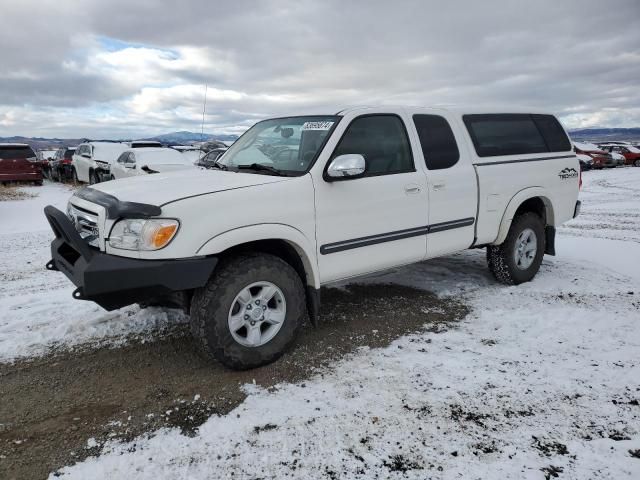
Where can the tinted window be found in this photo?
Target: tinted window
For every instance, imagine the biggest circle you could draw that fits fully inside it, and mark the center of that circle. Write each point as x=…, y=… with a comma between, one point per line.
x=552, y=132
x=504, y=134
x=68, y=153
x=382, y=141
x=438, y=144
x=16, y=152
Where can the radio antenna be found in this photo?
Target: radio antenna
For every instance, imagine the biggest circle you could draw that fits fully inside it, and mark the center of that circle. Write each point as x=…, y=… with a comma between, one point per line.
x=204, y=109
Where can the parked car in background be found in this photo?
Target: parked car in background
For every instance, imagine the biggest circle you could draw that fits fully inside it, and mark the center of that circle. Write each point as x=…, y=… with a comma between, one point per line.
x=586, y=162
x=143, y=161
x=45, y=157
x=630, y=155
x=210, y=159
x=143, y=144
x=92, y=160
x=60, y=167
x=193, y=153
x=601, y=159
x=19, y=163
x=212, y=145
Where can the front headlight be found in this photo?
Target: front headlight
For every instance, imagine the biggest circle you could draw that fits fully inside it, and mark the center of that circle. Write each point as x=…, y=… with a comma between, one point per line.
x=141, y=234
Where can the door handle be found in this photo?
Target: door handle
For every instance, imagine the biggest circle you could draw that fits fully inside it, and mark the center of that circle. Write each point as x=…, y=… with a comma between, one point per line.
x=411, y=189
x=438, y=186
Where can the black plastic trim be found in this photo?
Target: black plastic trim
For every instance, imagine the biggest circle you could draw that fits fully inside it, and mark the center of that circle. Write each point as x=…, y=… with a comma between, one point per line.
x=523, y=160
x=550, y=240
x=393, y=236
x=117, y=209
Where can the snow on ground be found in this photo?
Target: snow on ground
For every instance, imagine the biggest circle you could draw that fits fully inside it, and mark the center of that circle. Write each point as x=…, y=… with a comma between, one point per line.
x=540, y=380
x=37, y=312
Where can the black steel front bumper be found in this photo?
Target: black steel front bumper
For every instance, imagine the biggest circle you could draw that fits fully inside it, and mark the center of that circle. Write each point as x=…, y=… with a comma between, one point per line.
x=113, y=282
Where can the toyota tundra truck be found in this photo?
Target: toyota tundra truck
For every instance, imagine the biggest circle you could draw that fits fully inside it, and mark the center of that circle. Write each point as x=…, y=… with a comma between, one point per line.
x=303, y=201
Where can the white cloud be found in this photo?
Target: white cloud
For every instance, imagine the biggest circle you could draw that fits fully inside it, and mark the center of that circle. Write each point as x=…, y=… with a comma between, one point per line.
x=106, y=68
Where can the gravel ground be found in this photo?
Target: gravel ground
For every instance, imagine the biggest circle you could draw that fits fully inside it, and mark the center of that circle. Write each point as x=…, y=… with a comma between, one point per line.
x=53, y=406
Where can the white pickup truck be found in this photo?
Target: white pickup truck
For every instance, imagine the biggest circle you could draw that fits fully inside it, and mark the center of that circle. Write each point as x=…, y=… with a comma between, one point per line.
x=300, y=202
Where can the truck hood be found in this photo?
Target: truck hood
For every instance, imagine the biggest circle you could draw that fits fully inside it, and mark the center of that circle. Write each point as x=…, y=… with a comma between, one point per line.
x=160, y=188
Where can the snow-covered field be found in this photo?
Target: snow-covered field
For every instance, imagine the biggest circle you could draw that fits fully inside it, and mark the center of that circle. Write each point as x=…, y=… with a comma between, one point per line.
x=540, y=380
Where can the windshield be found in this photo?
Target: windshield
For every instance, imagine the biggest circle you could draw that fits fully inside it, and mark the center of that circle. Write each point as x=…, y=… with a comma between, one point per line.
x=289, y=145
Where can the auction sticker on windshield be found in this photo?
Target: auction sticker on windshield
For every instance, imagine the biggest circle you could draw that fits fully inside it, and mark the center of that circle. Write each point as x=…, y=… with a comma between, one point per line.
x=317, y=125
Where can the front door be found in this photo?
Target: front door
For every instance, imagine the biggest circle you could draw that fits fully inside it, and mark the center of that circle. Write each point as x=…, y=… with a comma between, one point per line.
x=378, y=220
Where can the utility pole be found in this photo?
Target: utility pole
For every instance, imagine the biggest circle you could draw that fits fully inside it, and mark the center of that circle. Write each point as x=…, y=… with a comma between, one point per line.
x=204, y=109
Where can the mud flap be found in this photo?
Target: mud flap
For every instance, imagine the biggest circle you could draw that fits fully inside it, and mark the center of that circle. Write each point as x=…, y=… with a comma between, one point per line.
x=550, y=240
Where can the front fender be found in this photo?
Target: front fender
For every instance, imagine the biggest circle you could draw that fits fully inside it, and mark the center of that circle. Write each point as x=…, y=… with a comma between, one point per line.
x=267, y=231
x=513, y=205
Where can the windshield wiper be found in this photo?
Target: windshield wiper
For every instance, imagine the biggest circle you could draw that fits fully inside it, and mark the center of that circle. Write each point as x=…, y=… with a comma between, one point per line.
x=259, y=167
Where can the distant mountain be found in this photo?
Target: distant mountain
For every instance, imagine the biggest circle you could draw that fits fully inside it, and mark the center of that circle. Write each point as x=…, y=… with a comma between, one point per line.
x=174, y=138
x=189, y=137
x=606, y=134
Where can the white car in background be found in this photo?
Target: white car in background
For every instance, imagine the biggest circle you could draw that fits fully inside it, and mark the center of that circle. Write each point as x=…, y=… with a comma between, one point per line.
x=142, y=161
x=92, y=160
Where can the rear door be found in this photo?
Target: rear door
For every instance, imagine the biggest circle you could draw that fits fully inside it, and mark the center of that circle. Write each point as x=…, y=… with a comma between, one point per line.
x=451, y=179
x=17, y=160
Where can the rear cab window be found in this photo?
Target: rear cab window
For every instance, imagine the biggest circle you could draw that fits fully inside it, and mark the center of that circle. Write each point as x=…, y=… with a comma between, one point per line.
x=515, y=134
x=437, y=141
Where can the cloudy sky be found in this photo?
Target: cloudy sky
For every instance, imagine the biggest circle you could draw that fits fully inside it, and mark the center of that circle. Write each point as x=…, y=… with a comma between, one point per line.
x=130, y=68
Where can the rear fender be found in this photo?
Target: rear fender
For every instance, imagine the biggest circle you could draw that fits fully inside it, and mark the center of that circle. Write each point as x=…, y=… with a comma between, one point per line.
x=517, y=200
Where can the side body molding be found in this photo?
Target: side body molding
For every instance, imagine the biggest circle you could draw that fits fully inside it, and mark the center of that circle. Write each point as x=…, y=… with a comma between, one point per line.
x=268, y=231
x=513, y=205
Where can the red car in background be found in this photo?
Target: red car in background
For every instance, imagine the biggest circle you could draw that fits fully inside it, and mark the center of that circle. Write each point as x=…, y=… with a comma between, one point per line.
x=18, y=163
x=631, y=154
x=601, y=159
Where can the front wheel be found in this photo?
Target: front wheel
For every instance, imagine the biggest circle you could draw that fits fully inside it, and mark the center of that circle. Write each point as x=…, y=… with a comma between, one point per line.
x=249, y=312
x=519, y=257
x=637, y=163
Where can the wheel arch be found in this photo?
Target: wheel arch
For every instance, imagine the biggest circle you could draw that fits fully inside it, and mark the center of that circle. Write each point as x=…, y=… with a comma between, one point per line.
x=280, y=240
x=534, y=199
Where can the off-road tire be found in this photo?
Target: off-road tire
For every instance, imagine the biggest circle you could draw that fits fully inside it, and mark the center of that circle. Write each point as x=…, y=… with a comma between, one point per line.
x=74, y=177
x=93, y=177
x=210, y=307
x=500, y=258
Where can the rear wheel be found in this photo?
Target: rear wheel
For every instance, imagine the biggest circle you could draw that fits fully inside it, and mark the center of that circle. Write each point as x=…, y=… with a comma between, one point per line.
x=249, y=312
x=74, y=177
x=518, y=259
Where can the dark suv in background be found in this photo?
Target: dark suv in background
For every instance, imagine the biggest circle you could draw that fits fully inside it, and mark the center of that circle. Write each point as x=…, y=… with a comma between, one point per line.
x=18, y=163
x=61, y=168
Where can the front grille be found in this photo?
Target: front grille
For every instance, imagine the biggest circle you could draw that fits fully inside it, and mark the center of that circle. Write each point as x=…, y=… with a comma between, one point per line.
x=86, y=223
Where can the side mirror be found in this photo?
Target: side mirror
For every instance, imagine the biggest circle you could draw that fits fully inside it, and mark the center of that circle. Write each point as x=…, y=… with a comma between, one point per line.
x=347, y=166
